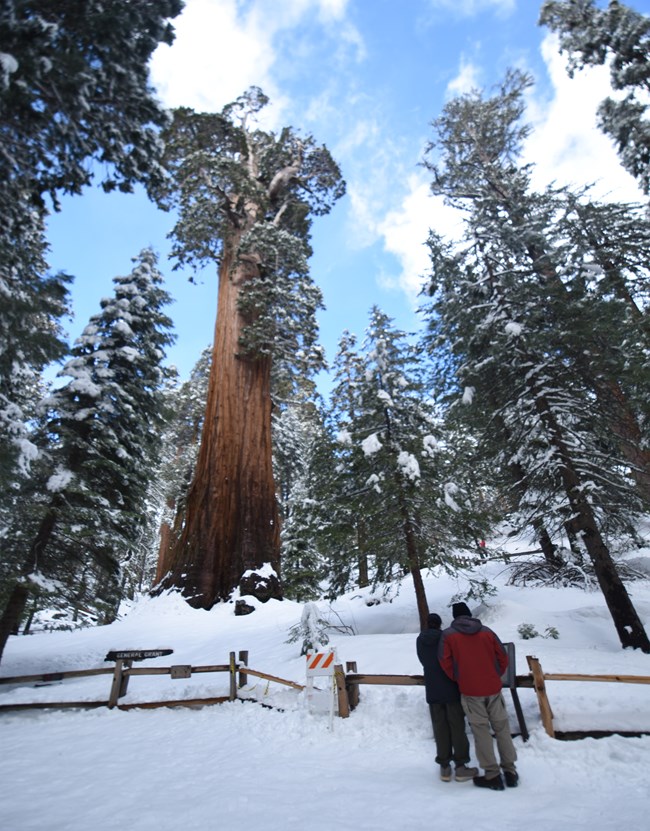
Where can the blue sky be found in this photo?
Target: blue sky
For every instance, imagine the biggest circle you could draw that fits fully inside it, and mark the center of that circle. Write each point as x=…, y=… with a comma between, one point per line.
x=365, y=77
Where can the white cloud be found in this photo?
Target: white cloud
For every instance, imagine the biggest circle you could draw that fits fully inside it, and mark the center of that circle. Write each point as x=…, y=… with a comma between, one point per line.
x=332, y=10
x=405, y=232
x=215, y=57
x=221, y=49
x=375, y=173
x=468, y=78
x=469, y=8
x=566, y=145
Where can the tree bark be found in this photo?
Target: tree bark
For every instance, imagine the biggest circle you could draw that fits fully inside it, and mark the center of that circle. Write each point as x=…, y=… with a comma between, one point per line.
x=13, y=612
x=362, y=556
x=15, y=608
x=626, y=620
x=231, y=516
x=412, y=553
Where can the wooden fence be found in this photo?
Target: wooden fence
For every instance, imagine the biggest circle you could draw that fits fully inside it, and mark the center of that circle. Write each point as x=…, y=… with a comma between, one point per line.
x=123, y=670
x=539, y=678
x=346, y=684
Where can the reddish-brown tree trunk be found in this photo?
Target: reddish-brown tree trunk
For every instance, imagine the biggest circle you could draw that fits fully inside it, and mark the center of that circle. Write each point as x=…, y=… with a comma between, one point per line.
x=231, y=522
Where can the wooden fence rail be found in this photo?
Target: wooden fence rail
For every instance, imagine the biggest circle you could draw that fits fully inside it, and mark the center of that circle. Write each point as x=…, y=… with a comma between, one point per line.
x=55, y=676
x=123, y=671
x=539, y=683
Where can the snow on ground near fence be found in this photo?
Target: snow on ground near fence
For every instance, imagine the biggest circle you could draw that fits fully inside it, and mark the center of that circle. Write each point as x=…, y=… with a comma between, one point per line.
x=239, y=764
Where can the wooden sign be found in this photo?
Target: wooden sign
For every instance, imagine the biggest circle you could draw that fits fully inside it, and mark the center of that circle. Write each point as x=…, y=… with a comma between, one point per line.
x=136, y=654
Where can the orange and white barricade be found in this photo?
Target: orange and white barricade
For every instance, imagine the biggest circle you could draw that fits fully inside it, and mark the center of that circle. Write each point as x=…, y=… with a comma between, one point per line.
x=321, y=664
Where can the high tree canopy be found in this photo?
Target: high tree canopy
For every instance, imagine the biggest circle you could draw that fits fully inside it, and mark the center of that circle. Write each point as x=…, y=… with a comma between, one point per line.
x=75, y=102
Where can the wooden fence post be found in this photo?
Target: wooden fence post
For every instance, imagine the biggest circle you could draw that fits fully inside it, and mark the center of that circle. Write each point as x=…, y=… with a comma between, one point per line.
x=243, y=659
x=233, y=677
x=542, y=698
x=120, y=681
x=353, y=689
x=341, y=691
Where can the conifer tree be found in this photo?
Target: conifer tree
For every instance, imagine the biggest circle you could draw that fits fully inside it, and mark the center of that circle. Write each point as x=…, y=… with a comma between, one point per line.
x=344, y=535
x=104, y=428
x=538, y=346
x=297, y=437
x=396, y=493
x=180, y=447
x=31, y=337
x=74, y=87
x=245, y=200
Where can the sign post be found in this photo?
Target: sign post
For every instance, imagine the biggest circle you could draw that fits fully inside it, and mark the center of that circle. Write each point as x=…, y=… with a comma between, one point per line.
x=124, y=659
x=509, y=679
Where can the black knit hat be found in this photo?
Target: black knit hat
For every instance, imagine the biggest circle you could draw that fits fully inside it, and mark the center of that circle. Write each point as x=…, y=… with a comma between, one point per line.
x=460, y=610
x=434, y=621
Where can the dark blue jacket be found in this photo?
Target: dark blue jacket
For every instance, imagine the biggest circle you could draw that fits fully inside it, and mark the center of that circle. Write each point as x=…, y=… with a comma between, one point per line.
x=440, y=688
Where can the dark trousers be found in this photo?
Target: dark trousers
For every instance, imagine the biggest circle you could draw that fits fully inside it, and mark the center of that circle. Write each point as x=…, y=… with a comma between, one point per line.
x=449, y=732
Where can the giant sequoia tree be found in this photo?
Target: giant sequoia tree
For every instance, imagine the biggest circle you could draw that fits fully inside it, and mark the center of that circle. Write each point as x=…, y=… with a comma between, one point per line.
x=245, y=198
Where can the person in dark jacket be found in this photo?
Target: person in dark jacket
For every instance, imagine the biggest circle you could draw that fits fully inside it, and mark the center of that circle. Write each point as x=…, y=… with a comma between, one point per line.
x=446, y=710
x=474, y=657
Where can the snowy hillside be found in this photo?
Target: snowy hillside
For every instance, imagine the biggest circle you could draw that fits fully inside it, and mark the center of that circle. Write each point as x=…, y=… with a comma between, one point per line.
x=240, y=765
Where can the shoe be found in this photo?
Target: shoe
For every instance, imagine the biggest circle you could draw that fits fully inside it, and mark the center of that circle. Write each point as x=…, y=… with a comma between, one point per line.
x=511, y=777
x=464, y=774
x=495, y=783
x=445, y=773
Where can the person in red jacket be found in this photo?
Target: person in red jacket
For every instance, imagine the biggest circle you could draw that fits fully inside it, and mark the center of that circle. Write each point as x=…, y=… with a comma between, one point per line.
x=474, y=657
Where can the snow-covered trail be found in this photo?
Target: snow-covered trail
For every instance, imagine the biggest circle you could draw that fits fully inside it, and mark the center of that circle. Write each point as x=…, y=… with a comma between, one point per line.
x=240, y=765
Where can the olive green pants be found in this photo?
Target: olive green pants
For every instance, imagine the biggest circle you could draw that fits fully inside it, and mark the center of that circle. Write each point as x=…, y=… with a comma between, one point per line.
x=449, y=732
x=486, y=714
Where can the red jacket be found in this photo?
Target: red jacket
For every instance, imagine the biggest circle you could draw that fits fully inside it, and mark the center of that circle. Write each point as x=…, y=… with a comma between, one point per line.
x=473, y=656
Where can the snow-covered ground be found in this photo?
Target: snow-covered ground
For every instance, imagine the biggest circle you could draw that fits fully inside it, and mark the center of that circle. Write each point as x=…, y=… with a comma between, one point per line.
x=240, y=765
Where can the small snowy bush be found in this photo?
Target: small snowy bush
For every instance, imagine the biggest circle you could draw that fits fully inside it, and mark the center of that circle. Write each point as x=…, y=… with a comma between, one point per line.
x=527, y=631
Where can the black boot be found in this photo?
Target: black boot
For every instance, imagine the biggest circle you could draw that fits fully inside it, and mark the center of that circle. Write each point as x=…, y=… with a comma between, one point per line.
x=494, y=784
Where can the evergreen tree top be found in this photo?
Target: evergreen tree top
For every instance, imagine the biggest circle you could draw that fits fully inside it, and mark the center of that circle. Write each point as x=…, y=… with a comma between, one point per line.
x=228, y=176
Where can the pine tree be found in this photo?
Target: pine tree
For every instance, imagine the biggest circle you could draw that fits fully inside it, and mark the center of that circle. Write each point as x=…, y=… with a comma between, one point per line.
x=297, y=437
x=535, y=342
x=245, y=199
x=104, y=430
x=31, y=337
x=620, y=37
x=394, y=499
x=74, y=87
x=343, y=536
